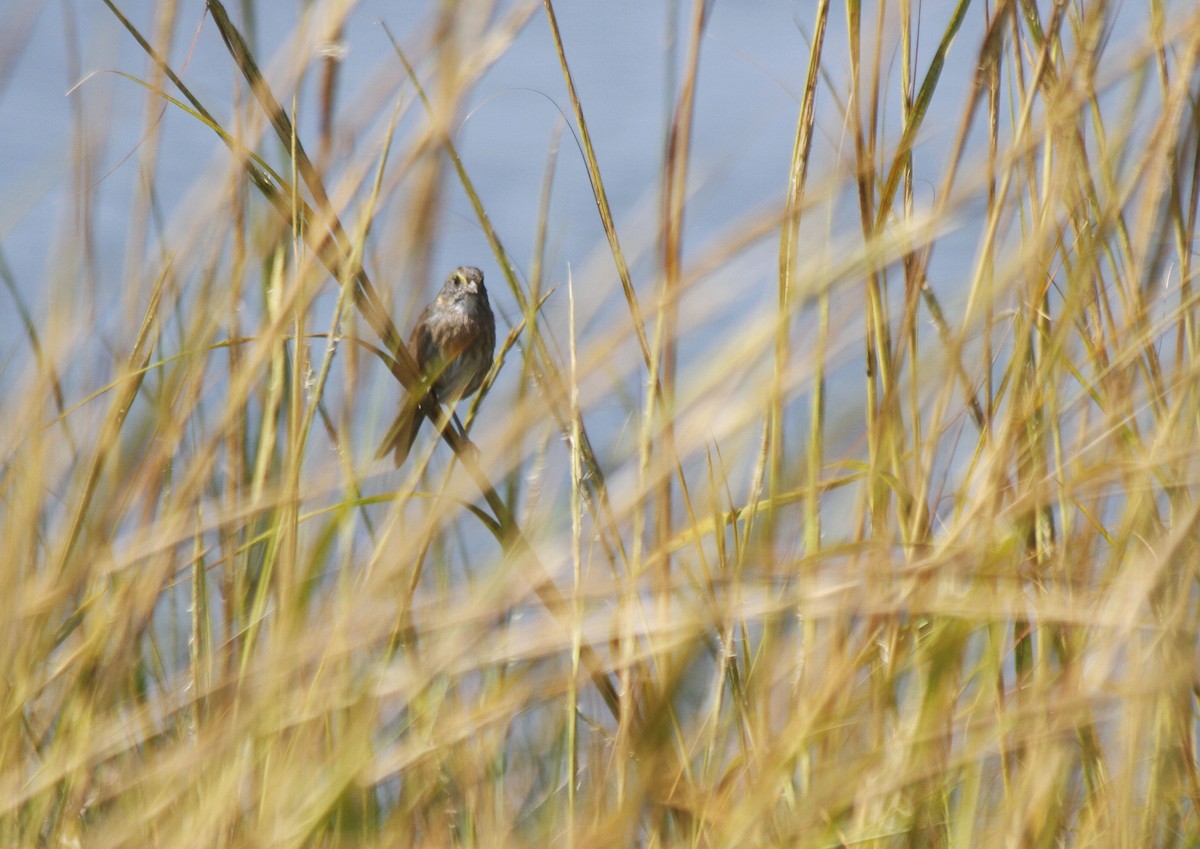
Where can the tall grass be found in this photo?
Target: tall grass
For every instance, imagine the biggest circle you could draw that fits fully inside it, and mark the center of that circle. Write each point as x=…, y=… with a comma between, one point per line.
x=905, y=556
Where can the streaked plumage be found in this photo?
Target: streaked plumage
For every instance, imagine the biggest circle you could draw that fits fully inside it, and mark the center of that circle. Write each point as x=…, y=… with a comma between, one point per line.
x=453, y=344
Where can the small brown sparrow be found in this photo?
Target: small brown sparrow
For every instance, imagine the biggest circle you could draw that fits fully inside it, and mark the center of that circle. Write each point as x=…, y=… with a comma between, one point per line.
x=453, y=344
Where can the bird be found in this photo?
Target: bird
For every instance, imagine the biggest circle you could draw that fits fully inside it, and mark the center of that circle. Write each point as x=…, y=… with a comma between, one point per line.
x=453, y=344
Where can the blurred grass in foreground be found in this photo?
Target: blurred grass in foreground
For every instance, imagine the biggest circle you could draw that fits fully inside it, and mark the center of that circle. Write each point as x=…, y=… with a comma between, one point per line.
x=958, y=610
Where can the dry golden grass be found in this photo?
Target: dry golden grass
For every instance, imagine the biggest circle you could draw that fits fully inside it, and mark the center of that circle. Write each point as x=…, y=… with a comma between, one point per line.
x=950, y=603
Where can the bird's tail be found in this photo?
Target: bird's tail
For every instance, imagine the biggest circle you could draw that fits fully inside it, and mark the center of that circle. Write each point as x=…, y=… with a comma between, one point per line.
x=401, y=435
